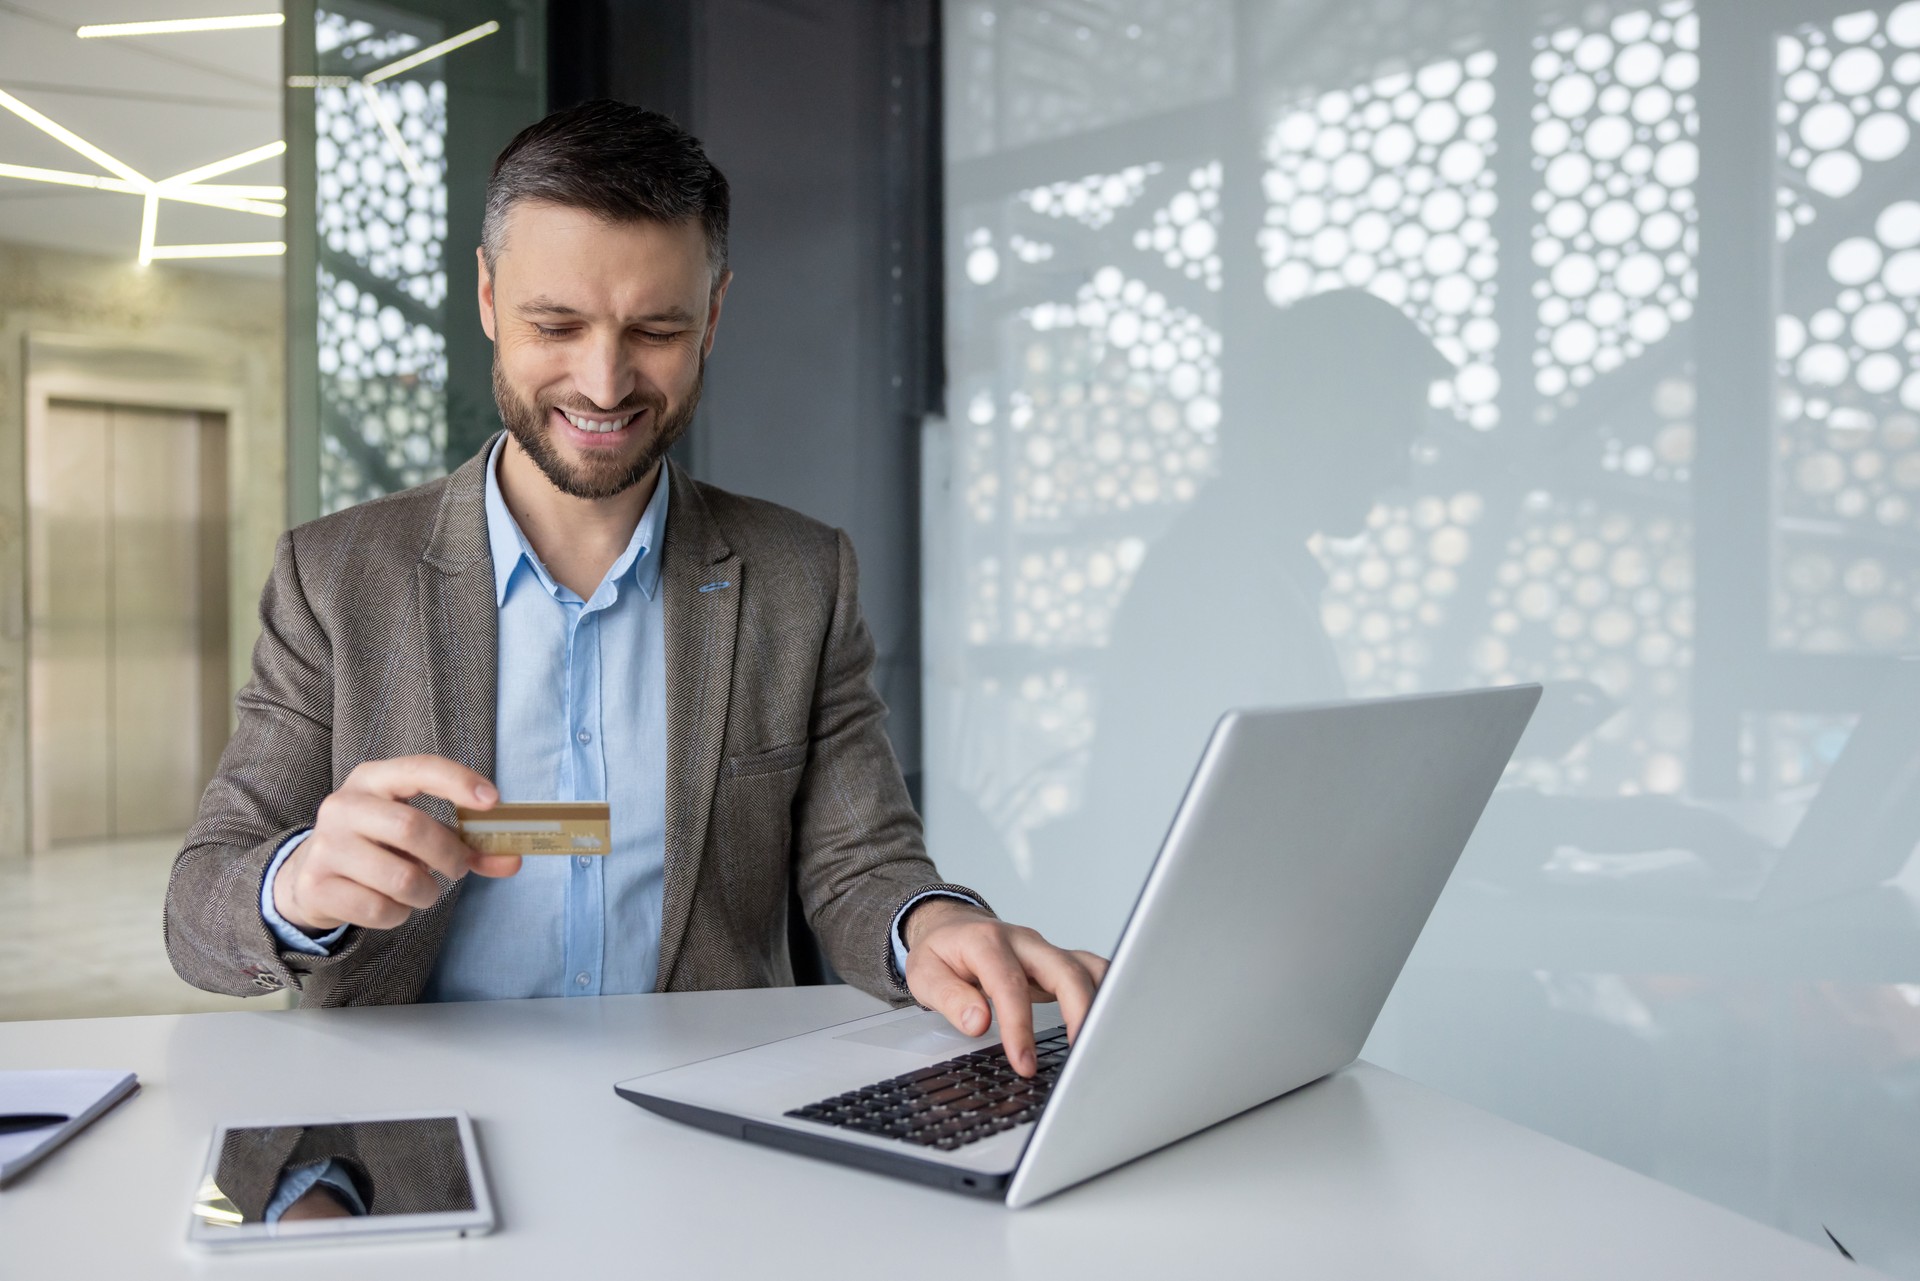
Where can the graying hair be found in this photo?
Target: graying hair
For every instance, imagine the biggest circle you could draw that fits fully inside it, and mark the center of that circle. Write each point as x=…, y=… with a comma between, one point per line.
x=618, y=161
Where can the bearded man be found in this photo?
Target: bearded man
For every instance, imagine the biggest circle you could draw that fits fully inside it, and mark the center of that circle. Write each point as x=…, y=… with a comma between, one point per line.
x=571, y=617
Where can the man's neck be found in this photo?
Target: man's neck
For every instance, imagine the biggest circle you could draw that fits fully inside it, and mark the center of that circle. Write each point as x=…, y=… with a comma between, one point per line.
x=577, y=539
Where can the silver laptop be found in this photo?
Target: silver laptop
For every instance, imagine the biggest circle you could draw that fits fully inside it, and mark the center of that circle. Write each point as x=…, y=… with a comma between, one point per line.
x=1302, y=862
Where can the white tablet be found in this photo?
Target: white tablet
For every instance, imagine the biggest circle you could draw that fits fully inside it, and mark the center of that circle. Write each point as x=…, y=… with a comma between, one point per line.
x=331, y=1179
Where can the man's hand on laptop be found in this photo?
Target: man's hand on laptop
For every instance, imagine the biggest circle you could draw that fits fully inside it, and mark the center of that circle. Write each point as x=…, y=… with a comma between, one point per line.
x=960, y=958
x=369, y=858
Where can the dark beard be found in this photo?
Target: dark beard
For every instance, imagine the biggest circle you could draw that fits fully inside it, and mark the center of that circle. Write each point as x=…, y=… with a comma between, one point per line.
x=529, y=427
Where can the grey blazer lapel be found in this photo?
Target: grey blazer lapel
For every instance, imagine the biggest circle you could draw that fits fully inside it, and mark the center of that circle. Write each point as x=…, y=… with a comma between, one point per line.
x=453, y=592
x=700, y=607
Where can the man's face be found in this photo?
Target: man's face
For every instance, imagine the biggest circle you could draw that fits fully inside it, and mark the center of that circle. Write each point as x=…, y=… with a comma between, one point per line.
x=600, y=336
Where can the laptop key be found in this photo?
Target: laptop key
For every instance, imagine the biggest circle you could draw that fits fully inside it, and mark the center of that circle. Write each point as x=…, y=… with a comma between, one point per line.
x=947, y=1105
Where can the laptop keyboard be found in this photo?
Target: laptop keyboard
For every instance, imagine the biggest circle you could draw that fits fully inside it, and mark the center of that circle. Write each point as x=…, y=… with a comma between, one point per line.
x=951, y=1104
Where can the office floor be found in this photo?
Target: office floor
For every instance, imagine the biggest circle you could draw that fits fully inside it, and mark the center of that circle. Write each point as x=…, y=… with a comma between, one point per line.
x=80, y=936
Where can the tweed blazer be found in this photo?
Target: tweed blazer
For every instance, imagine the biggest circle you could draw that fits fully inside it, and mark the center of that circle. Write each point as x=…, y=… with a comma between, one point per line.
x=379, y=636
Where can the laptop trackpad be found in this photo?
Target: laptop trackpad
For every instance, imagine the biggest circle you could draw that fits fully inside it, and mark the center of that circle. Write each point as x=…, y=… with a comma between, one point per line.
x=925, y=1033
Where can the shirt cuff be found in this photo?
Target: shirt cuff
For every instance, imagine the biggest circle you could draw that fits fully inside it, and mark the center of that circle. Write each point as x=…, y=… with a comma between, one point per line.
x=296, y=1183
x=291, y=936
x=900, y=919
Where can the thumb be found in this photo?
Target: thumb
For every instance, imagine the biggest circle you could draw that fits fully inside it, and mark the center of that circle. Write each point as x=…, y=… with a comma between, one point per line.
x=935, y=985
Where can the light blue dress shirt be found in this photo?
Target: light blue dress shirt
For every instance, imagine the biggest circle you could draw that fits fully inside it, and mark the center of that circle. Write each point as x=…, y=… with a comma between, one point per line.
x=302, y=1179
x=580, y=715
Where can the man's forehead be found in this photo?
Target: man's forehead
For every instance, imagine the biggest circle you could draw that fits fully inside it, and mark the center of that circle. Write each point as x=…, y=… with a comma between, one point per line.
x=541, y=223
x=559, y=261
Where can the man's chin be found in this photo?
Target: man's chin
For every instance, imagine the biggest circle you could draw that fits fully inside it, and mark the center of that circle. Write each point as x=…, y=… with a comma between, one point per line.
x=595, y=472
x=607, y=475
x=610, y=458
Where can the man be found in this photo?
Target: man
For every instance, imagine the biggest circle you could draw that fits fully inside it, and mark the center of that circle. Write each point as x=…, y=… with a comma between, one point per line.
x=570, y=617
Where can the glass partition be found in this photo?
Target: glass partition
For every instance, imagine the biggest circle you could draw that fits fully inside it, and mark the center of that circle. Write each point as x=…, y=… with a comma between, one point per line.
x=1305, y=351
x=397, y=112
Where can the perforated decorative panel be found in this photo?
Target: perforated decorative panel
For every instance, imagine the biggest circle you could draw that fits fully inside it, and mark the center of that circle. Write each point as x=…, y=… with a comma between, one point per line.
x=1847, y=473
x=380, y=161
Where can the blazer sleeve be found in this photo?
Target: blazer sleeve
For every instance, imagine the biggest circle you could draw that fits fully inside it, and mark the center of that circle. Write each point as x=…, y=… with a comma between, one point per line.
x=274, y=773
x=858, y=846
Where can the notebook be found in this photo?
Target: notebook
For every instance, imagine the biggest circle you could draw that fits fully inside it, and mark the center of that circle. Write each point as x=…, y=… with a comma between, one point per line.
x=40, y=1110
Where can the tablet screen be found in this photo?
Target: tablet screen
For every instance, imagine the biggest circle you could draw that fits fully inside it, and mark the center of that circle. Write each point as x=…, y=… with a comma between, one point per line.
x=300, y=1180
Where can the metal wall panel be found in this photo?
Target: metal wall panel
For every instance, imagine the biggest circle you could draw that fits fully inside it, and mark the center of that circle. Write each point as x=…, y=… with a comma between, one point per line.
x=128, y=619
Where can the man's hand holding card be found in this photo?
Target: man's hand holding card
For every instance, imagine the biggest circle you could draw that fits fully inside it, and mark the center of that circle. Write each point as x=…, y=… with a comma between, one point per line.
x=369, y=858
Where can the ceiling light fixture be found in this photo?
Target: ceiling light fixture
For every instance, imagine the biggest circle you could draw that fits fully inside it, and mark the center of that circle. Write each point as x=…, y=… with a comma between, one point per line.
x=187, y=187
x=253, y=200
x=238, y=249
x=180, y=26
x=149, y=224
x=60, y=133
x=228, y=165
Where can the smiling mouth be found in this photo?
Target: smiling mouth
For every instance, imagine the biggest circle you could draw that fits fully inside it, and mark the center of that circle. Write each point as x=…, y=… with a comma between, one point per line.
x=598, y=426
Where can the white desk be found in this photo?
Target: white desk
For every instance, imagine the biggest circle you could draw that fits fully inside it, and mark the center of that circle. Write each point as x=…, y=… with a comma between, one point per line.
x=1361, y=1175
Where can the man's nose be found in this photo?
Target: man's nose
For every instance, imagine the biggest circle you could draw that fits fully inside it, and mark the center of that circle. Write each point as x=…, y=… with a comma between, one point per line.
x=604, y=374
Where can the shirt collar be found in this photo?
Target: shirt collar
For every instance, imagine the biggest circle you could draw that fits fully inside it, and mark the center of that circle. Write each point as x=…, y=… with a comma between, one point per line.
x=641, y=559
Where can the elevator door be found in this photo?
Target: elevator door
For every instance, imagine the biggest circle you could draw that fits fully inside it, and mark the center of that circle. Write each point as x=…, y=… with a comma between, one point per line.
x=128, y=615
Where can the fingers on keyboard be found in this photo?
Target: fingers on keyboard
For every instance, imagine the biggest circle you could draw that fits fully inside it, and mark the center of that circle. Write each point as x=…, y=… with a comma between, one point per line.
x=948, y=1105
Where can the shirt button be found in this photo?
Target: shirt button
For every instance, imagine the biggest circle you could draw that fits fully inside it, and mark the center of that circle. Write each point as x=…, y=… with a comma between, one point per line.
x=582, y=979
x=586, y=861
x=585, y=736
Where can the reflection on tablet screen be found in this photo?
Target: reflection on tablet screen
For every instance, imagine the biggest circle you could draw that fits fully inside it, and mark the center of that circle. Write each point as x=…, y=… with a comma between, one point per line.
x=288, y=1174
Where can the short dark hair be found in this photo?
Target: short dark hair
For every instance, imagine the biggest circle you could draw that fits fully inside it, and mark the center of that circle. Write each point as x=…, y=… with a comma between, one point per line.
x=621, y=162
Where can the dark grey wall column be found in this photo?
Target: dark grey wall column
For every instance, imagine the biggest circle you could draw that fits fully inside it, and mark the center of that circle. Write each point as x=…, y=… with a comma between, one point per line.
x=822, y=115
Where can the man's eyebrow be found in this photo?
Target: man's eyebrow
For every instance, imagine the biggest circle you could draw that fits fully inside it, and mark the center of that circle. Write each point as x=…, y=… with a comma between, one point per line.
x=545, y=306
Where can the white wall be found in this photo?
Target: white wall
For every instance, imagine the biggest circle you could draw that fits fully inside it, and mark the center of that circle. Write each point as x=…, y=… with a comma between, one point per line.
x=1304, y=351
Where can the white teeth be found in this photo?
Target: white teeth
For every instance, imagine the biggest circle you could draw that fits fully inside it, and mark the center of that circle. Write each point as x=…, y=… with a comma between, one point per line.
x=597, y=427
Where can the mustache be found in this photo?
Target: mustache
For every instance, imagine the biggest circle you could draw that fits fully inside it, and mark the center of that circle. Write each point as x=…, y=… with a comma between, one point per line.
x=581, y=405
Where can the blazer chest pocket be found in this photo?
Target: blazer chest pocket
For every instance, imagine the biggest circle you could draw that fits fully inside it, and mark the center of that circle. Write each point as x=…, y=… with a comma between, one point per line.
x=771, y=761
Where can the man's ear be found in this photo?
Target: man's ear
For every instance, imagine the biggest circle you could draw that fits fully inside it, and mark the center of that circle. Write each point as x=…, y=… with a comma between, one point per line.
x=713, y=313
x=486, y=295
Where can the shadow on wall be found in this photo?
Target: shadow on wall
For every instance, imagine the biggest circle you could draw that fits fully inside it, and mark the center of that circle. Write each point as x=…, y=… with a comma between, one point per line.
x=1328, y=404
x=1329, y=397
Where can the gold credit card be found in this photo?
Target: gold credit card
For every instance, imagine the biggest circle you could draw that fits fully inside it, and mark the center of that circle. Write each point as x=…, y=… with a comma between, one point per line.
x=539, y=827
